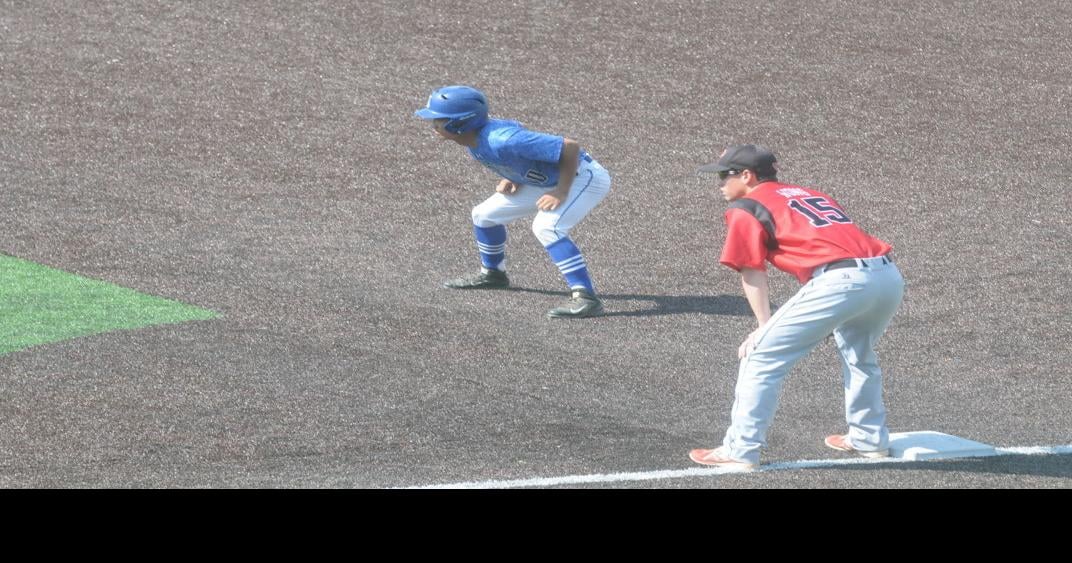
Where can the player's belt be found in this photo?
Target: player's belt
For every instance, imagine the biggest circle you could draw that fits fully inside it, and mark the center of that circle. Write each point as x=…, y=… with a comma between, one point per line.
x=854, y=263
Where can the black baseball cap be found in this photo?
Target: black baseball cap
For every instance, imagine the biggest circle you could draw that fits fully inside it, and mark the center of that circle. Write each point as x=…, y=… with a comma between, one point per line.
x=742, y=157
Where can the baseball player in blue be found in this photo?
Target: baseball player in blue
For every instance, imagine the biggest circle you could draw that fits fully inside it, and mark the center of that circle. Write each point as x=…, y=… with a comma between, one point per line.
x=542, y=174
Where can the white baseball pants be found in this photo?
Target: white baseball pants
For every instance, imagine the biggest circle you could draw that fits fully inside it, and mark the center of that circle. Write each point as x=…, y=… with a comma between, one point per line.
x=590, y=186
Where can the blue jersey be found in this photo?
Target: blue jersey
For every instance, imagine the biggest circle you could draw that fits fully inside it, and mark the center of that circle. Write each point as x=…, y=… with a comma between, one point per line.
x=517, y=154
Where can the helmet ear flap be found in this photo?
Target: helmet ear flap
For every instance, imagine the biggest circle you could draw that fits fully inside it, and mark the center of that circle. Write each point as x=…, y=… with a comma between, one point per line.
x=460, y=124
x=453, y=126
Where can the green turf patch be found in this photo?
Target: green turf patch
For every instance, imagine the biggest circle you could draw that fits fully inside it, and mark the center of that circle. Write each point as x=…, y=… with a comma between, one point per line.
x=39, y=304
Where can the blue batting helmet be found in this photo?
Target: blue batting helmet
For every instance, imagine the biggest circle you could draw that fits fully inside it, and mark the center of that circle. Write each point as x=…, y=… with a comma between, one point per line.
x=465, y=107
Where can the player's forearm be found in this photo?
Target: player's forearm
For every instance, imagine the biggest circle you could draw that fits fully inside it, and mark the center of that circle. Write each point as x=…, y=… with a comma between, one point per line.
x=567, y=166
x=757, y=291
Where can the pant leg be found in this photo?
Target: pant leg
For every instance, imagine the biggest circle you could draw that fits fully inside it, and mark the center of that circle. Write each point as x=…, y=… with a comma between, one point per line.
x=500, y=209
x=491, y=217
x=589, y=187
x=794, y=330
x=865, y=411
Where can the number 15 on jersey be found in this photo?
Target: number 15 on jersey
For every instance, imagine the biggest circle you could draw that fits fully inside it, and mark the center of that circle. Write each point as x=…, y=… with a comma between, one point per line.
x=819, y=211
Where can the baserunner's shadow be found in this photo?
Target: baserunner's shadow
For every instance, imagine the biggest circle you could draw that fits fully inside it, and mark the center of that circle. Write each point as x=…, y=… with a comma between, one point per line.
x=657, y=305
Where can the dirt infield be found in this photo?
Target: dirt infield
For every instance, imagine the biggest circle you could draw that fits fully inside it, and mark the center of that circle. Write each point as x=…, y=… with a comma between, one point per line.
x=261, y=160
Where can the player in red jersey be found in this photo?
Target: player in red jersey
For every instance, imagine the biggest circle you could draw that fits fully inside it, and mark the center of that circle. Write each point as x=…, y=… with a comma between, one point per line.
x=851, y=289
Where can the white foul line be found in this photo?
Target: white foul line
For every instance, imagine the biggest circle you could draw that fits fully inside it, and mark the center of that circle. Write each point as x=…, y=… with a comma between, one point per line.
x=709, y=471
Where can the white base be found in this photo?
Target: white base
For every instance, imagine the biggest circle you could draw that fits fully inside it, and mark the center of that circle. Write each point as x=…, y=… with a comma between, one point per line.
x=918, y=446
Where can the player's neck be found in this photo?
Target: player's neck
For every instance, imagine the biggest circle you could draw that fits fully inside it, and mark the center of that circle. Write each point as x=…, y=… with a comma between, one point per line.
x=756, y=185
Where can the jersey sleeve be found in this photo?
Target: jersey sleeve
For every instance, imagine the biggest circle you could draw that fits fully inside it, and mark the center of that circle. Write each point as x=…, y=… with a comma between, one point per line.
x=746, y=241
x=532, y=145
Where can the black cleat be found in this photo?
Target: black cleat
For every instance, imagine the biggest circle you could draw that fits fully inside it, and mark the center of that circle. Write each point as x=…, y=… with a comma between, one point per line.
x=485, y=279
x=582, y=304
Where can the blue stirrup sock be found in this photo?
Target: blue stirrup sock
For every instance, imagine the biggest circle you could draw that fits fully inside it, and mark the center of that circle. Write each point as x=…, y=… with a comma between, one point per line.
x=491, y=242
x=568, y=258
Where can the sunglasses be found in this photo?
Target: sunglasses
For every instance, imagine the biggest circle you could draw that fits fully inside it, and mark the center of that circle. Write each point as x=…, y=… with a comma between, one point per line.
x=723, y=174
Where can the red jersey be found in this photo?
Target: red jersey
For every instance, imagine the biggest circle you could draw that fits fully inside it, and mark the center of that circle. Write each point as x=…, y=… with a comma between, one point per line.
x=796, y=229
